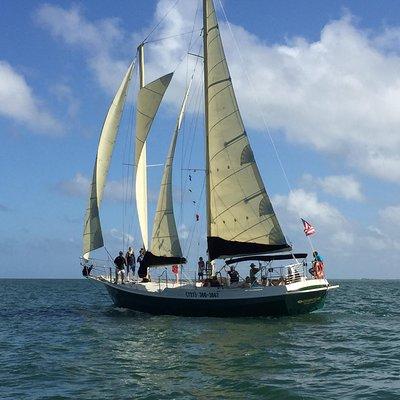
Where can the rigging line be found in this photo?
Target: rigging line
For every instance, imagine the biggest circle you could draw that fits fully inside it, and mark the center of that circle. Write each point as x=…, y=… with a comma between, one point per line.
x=160, y=21
x=172, y=36
x=184, y=150
x=195, y=225
x=266, y=127
x=191, y=38
x=184, y=56
x=192, y=143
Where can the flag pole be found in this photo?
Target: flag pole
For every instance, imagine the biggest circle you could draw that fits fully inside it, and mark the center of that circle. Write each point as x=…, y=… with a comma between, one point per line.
x=311, y=244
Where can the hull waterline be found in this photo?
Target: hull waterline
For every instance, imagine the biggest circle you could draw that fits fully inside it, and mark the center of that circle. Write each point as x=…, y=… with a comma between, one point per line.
x=289, y=303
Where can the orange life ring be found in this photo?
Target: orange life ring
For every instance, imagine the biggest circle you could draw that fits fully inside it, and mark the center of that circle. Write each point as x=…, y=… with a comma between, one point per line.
x=319, y=269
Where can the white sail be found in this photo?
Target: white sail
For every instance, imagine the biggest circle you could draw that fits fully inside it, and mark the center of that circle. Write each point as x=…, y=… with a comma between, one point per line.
x=141, y=196
x=240, y=212
x=148, y=102
x=165, y=241
x=92, y=234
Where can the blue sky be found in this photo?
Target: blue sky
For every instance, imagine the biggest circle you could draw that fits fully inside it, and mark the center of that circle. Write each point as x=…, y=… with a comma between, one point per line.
x=326, y=79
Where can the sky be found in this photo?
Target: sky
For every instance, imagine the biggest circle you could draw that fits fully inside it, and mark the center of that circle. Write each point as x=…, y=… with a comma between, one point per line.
x=318, y=81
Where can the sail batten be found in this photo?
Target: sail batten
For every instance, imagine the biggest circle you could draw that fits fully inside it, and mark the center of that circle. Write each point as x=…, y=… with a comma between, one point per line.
x=92, y=233
x=241, y=219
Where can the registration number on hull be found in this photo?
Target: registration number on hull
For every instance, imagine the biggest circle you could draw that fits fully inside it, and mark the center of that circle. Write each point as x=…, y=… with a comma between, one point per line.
x=202, y=295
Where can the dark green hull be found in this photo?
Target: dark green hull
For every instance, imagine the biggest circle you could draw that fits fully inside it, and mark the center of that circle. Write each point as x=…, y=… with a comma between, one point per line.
x=300, y=302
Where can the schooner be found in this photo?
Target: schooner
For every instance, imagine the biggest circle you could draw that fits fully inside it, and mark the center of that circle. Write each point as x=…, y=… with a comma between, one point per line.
x=241, y=223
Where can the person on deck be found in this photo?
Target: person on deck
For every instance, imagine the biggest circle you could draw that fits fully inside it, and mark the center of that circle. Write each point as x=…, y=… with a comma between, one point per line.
x=130, y=262
x=253, y=272
x=317, y=257
x=234, y=276
x=120, y=264
x=201, y=269
x=142, y=270
x=317, y=269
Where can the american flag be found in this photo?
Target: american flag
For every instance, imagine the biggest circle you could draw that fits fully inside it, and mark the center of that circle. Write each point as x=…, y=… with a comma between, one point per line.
x=308, y=228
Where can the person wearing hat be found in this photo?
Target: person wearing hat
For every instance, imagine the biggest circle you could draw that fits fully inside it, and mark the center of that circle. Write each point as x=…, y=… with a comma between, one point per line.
x=120, y=264
x=253, y=272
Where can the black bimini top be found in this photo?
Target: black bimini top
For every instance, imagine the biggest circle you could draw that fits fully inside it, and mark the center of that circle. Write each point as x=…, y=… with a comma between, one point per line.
x=267, y=258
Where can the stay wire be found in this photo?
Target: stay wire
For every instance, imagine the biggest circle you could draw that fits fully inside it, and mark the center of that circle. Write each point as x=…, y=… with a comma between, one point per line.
x=160, y=21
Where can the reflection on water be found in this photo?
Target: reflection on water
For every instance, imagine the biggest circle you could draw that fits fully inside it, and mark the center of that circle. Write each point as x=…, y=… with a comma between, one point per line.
x=65, y=339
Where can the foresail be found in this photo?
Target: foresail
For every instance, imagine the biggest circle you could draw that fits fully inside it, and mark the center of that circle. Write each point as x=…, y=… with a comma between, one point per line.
x=242, y=220
x=92, y=234
x=165, y=245
x=148, y=102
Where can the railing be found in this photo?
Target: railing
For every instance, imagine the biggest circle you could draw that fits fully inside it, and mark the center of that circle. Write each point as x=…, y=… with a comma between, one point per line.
x=165, y=272
x=98, y=268
x=274, y=276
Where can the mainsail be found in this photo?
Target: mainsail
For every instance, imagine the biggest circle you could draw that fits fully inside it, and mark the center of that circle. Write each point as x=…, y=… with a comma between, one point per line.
x=148, y=102
x=165, y=246
x=92, y=234
x=241, y=219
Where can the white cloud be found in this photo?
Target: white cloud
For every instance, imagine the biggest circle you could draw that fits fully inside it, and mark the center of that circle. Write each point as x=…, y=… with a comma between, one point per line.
x=98, y=39
x=343, y=186
x=390, y=215
x=79, y=186
x=306, y=204
x=64, y=93
x=333, y=228
x=122, y=237
x=378, y=239
x=339, y=95
x=18, y=102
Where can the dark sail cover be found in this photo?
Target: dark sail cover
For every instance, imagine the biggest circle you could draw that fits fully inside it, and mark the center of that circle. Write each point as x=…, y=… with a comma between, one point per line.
x=151, y=260
x=221, y=248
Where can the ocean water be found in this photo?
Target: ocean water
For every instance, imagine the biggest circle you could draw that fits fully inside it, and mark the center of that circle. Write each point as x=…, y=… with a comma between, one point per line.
x=63, y=339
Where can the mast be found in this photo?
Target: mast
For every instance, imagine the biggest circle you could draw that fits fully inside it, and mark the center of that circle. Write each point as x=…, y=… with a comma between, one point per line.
x=205, y=69
x=141, y=185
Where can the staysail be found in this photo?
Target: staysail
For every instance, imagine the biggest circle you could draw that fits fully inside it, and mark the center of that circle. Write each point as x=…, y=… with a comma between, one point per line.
x=148, y=102
x=241, y=219
x=165, y=246
x=92, y=234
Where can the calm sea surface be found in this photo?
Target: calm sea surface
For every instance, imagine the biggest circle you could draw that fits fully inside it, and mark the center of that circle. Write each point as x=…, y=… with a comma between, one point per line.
x=63, y=339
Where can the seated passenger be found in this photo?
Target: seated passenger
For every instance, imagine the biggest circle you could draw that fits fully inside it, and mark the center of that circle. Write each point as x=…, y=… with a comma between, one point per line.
x=264, y=281
x=233, y=275
x=214, y=282
x=206, y=282
x=253, y=272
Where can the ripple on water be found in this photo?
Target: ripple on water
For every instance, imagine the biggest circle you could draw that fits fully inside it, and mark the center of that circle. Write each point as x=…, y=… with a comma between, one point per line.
x=64, y=339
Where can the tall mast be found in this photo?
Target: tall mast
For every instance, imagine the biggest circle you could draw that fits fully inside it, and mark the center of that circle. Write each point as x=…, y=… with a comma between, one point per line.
x=142, y=165
x=205, y=55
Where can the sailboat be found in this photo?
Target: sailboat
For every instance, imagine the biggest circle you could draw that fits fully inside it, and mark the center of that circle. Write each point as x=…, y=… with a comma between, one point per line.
x=242, y=226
